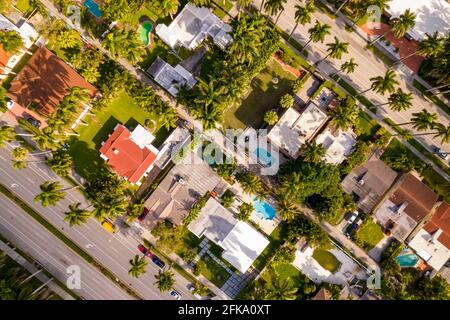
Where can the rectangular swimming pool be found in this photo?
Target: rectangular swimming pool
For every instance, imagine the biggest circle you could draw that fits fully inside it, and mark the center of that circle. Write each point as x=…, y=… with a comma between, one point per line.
x=263, y=209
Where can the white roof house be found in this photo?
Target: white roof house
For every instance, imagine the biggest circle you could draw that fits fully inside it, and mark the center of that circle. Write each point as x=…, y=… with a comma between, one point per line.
x=295, y=128
x=338, y=146
x=431, y=16
x=171, y=78
x=241, y=242
x=192, y=26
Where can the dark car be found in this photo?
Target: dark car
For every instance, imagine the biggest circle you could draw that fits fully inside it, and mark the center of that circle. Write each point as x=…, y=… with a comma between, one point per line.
x=143, y=214
x=441, y=153
x=158, y=261
x=34, y=122
x=145, y=251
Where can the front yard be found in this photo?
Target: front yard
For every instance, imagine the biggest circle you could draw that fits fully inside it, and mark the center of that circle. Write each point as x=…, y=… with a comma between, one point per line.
x=123, y=109
x=326, y=259
x=368, y=235
x=212, y=271
x=264, y=96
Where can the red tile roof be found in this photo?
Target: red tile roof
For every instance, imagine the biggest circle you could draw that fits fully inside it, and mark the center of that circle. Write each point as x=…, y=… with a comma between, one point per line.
x=45, y=80
x=125, y=157
x=419, y=197
x=440, y=220
x=4, y=58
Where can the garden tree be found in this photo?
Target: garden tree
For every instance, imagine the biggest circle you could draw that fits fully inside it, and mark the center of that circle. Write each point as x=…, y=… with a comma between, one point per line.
x=290, y=186
x=400, y=26
x=303, y=15
x=7, y=134
x=311, y=151
x=286, y=101
x=437, y=68
x=227, y=198
x=245, y=210
x=135, y=210
x=168, y=117
x=317, y=33
x=209, y=115
x=399, y=100
x=383, y=84
x=51, y=193
x=200, y=289
x=76, y=216
x=359, y=10
x=347, y=67
x=430, y=46
x=225, y=170
x=275, y=7
x=50, y=29
x=88, y=62
x=61, y=163
x=286, y=254
x=19, y=153
x=116, y=10
x=125, y=44
x=138, y=265
x=5, y=5
x=242, y=4
x=3, y=99
x=169, y=237
x=196, y=209
x=164, y=280
x=335, y=50
x=45, y=141
x=357, y=157
x=302, y=227
x=287, y=209
x=166, y=7
x=201, y=3
x=282, y=289
x=271, y=117
x=11, y=41
x=345, y=115
x=250, y=183
x=69, y=39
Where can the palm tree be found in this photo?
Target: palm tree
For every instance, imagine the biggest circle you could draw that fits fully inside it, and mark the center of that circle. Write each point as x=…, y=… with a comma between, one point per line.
x=430, y=46
x=400, y=25
x=242, y=4
x=168, y=7
x=423, y=120
x=125, y=43
x=138, y=265
x=312, y=152
x=69, y=39
x=290, y=186
x=287, y=209
x=383, y=84
x=347, y=67
x=164, y=280
x=7, y=134
x=19, y=164
x=275, y=7
x=11, y=41
x=442, y=132
x=210, y=115
x=345, y=115
x=20, y=154
x=317, y=33
x=250, y=183
x=399, y=100
x=245, y=210
x=303, y=15
x=282, y=290
x=76, y=216
x=51, y=193
x=335, y=50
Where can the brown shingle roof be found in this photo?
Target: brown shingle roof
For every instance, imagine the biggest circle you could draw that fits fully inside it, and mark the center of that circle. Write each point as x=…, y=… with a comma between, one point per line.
x=420, y=198
x=440, y=220
x=45, y=80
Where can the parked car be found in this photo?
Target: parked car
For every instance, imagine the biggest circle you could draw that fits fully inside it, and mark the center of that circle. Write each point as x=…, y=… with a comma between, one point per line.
x=108, y=226
x=441, y=153
x=156, y=260
x=175, y=294
x=353, y=216
x=143, y=214
x=145, y=251
x=351, y=230
x=34, y=122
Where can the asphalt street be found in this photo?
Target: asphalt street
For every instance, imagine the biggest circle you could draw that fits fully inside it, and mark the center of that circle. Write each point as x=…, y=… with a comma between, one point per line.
x=113, y=251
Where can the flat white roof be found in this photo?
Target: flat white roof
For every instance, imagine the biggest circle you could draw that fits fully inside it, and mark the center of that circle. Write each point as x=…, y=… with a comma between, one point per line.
x=295, y=128
x=431, y=15
x=26, y=31
x=433, y=252
x=338, y=146
x=243, y=245
x=142, y=137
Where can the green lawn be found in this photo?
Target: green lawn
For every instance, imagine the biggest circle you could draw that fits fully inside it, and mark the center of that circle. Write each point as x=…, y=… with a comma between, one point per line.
x=276, y=239
x=367, y=126
x=213, y=271
x=123, y=109
x=158, y=49
x=284, y=271
x=23, y=5
x=368, y=235
x=326, y=259
x=264, y=96
x=222, y=8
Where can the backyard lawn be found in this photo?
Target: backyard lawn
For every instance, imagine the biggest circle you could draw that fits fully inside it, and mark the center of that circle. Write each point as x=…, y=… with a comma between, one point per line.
x=213, y=271
x=123, y=109
x=368, y=235
x=264, y=96
x=326, y=259
x=276, y=239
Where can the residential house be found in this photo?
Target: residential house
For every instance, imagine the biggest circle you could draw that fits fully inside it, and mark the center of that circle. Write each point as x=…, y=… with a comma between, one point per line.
x=407, y=205
x=337, y=143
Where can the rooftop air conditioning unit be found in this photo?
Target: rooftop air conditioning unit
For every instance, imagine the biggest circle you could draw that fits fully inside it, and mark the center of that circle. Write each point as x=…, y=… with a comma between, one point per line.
x=361, y=182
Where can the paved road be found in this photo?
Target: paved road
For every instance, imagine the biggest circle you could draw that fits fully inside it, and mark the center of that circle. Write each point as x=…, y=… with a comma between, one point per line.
x=369, y=66
x=55, y=256
x=113, y=251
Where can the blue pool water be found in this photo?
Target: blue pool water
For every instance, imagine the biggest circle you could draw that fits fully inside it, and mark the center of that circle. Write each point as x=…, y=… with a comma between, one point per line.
x=407, y=260
x=264, y=209
x=263, y=156
x=93, y=8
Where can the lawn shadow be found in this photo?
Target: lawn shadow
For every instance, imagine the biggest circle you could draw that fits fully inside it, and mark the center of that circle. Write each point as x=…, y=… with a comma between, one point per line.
x=106, y=129
x=87, y=161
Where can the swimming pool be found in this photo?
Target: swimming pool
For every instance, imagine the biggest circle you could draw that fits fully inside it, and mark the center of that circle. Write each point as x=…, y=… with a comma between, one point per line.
x=408, y=260
x=93, y=8
x=144, y=32
x=263, y=209
x=264, y=156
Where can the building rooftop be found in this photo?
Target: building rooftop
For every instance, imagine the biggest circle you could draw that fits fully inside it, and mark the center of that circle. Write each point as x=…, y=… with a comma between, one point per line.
x=431, y=16
x=369, y=183
x=192, y=26
x=171, y=78
x=126, y=155
x=338, y=145
x=295, y=128
x=44, y=81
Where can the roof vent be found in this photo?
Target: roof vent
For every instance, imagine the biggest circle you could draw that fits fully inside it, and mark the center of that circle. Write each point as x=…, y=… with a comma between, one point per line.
x=115, y=151
x=361, y=182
